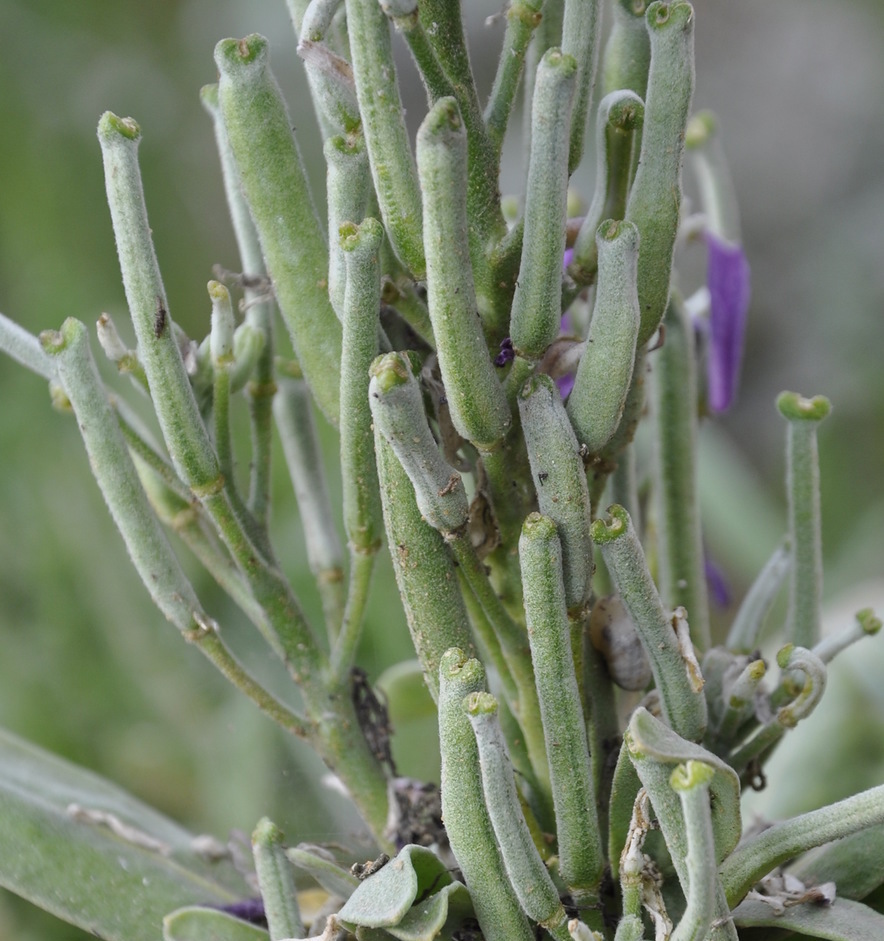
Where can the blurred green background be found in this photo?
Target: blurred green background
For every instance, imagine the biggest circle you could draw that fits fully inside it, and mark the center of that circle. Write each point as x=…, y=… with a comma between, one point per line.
x=87, y=668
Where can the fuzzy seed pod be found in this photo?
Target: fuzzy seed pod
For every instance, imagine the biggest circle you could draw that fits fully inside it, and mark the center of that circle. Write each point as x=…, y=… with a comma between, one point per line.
x=614, y=636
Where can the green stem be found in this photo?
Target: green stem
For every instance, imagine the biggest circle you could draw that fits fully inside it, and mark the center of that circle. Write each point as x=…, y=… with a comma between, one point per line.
x=758, y=855
x=682, y=577
x=527, y=873
x=348, y=184
x=749, y=619
x=628, y=51
x=604, y=376
x=476, y=400
x=581, y=860
x=275, y=186
x=560, y=481
x=276, y=881
x=803, y=485
x=467, y=823
x=691, y=780
x=259, y=315
x=25, y=348
x=619, y=123
x=580, y=30
x=425, y=575
x=522, y=18
x=300, y=445
x=655, y=198
x=183, y=430
x=383, y=125
x=682, y=701
x=145, y=541
x=537, y=303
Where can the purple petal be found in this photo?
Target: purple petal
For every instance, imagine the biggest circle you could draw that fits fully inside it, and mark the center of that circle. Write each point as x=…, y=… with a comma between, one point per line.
x=506, y=354
x=569, y=257
x=717, y=583
x=565, y=384
x=250, y=910
x=727, y=276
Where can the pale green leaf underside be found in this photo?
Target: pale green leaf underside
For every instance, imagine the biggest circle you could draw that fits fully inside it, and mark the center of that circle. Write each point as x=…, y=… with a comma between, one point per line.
x=842, y=921
x=73, y=864
x=204, y=924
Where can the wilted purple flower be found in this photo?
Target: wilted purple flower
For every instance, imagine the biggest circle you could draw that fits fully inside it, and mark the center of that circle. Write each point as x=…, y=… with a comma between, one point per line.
x=507, y=353
x=727, y=276
x=250, y=910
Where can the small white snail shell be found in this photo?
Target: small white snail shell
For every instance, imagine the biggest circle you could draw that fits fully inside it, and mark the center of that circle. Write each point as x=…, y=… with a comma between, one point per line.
x=614, y=636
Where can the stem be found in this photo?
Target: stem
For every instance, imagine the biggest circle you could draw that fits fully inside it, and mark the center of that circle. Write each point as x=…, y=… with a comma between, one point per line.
x=683, y=703
x=183, y=430
x=275, y=187
x=581, y=860
x=628, y=51
x=537, y=303
x=467, y=823
x=580, y=31
x=383, y=124
x=560, y=481
x=522, y=18
x=276, y=881
x=300, y=445
x=691, y=780
x=476, y=400
x=748, y=621
x=682, y=577
x=348, y=184
x=783, y=841
x=145, y=540
x=425, y=575
x=527, y=873
x=619, y=124
x=259, y=314
x=803, y=485
x=655, y=197
x=25, y=348
x=604, y=376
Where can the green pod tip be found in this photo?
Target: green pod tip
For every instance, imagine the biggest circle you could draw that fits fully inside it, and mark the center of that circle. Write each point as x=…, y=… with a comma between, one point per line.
x=110, y=126
x=868, y=621
x=267, y=833
x=480, y=704
x=561, y=61
x=456, y=664
x=539, y=527
x=209, y=97
x=443, y=120
x=615, y=525
x=691, y=774
x=353, y=236
x=662, y=15
x=392, y=369
x=701, y=127
x=784, y=655
x=237, y=54
x=614, y=230
x=795, y=407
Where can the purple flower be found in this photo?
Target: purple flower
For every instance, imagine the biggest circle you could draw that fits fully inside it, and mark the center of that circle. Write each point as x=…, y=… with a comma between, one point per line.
x=727, y=276
x=507, y=354
x=717, y=583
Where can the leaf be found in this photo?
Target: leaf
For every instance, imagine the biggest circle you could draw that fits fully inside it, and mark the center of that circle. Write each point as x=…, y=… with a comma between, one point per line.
x=319, y=863
x=654, y=749
x=86, y=851
x=843, y=920
x=387, y=898
x=206, y=924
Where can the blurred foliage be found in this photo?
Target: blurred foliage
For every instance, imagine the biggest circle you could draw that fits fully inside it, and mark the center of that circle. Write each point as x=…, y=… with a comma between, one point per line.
x=89, y=669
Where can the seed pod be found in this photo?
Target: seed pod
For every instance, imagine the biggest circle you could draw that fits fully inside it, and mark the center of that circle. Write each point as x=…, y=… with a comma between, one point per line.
x=614, y=636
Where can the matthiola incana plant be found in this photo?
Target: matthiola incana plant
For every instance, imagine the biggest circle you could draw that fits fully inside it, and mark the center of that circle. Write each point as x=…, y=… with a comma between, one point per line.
x=488, y=373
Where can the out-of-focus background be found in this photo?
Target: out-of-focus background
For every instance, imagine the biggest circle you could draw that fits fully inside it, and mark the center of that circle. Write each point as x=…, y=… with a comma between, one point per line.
x=89, y=670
